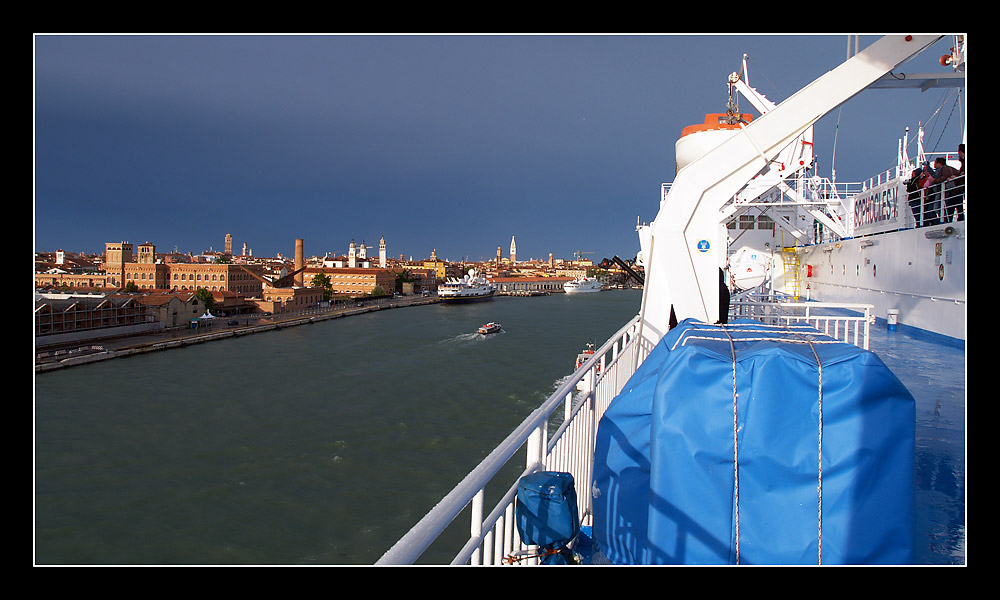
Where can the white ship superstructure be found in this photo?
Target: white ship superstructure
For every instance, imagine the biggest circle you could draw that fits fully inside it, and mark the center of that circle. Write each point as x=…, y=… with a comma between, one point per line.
x=745, y=230
x=472, y=287
x=582, y=285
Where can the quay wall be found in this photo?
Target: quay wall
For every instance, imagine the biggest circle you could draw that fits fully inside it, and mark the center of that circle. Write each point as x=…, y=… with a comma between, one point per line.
x=199, y=338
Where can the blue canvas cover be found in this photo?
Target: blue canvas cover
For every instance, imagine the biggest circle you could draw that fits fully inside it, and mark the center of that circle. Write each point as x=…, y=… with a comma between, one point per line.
x=546, y=513
x=665, y=487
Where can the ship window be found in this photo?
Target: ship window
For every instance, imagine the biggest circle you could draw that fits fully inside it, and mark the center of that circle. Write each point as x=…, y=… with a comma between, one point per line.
x=765, y=222
x=746, y=221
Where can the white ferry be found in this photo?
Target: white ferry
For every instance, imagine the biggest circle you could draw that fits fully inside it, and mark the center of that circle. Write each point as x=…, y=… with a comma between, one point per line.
x=710, y=399
x=472, y=287
x=582, y=285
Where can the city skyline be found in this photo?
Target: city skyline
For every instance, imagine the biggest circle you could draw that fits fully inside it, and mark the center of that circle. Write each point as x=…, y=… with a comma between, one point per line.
x=441, y=142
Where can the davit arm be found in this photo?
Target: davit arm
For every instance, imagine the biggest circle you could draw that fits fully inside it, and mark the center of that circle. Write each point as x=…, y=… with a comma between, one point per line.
x=688, y=243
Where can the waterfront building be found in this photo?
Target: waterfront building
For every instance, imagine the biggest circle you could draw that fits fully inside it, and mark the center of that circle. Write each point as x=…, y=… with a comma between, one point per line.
x=440, y=267
x=115, y=257
x=173, y=309
x=241, y=279
x=61, y=318
x=56, y=278
x=148, y=273
x=230, y=303
x=64, y=270
x=418, y=280
x=511, y=285
x=356, y=281
x=277, y=300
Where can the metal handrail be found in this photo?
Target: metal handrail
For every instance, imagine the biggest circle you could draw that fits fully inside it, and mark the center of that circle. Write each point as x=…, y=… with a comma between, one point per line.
x=941, y=203
x=850, y=323
x=496, y=532
x=570, y=447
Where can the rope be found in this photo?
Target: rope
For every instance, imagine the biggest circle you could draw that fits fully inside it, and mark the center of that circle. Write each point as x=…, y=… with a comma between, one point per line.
x=819, y=485
x=736, y=451
x=526, y=554
x=736, y=472
x=958, y=96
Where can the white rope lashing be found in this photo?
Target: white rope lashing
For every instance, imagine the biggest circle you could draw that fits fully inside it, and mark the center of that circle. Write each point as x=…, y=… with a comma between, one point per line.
x=736, y=451
x=736, y=464
x=819, y=484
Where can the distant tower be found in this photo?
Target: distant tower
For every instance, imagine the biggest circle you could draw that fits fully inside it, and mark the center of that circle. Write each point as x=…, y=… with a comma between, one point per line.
x=499, y=254
x=244, y=248
x=381, y=252
x=513, y=251
x=229, y=244
x=115, y=257
x=300, y=261
x=434, y=255
x=551, y=262
x=352, y=259
x=363, y=254
x=147, y=254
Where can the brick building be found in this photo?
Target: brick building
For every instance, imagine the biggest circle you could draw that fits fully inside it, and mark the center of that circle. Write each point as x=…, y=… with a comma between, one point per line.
x=354, y=282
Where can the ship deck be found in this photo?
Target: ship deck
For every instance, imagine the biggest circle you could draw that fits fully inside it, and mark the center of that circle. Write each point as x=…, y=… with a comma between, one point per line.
x=933, y=369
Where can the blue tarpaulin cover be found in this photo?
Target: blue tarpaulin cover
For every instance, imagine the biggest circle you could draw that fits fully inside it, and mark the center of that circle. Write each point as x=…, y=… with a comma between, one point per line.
x=546, y=513
x=665, y=487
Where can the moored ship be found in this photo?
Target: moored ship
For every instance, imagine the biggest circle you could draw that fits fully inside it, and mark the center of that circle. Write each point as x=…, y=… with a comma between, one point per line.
x=582, y=285
x=472, y=287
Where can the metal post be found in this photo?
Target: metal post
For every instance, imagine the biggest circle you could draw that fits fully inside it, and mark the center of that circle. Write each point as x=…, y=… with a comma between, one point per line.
x=476, y=528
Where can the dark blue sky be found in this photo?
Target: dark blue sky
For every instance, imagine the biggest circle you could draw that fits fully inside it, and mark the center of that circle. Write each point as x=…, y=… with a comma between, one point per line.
x=448, y=142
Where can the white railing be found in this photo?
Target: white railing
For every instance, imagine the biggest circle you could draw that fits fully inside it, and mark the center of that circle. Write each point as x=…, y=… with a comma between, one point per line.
x=568, y=449
x=849, y=323
x=941, y=203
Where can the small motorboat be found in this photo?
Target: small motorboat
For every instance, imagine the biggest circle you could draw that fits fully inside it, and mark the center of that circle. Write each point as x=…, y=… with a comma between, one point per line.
x=489, y=328
x=582, y=358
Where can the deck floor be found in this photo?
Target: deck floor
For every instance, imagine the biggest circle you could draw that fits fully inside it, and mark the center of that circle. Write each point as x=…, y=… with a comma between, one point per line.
x=934, y=371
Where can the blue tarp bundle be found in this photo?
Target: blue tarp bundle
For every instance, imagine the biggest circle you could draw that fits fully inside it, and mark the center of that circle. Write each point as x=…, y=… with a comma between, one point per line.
x=665, y=487
x=546, y=514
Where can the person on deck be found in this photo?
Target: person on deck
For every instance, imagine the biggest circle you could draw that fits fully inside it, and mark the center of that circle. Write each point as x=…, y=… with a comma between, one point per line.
x=952, y=201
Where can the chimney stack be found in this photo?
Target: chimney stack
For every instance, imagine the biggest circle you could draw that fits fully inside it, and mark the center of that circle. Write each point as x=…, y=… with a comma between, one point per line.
x=299, y=262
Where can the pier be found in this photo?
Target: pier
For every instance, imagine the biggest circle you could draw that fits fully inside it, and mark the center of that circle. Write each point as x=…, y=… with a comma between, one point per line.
x=81, y=354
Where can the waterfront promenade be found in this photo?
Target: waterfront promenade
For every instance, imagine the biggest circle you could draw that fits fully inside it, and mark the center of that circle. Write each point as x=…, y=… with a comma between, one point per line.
x=67, y=355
